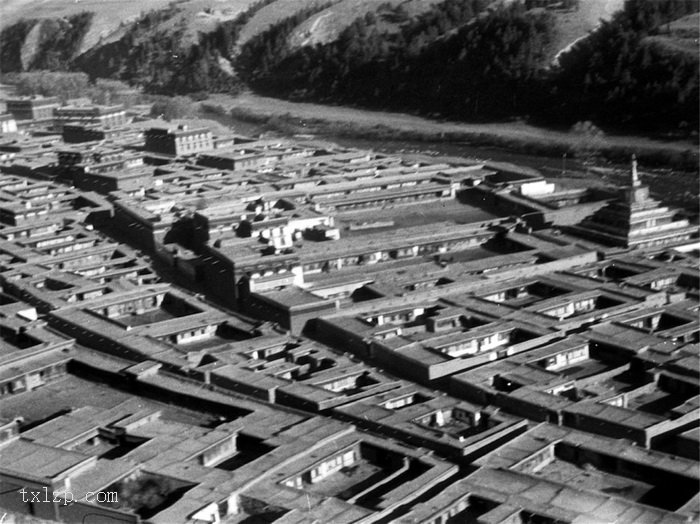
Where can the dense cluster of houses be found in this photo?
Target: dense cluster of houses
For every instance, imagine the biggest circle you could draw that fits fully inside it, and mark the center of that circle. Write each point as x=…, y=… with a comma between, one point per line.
x=223, y=328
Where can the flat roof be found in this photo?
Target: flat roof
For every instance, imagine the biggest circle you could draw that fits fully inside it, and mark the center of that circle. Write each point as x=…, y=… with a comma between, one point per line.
x=292, y=296
x=23, y=458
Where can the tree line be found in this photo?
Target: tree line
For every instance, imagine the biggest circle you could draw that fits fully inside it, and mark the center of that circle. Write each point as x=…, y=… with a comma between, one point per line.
x=71, y=85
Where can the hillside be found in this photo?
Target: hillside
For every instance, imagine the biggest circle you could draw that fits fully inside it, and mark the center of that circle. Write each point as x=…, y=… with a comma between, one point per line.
x=680, y=36
x=177, y=47
x=633, y=71
x=273, y=13
x=203, y=16
x=615, y=62
x=492, y=60
x=573, y=25
x=112, y=18
x=327, y=26
x=108, y=13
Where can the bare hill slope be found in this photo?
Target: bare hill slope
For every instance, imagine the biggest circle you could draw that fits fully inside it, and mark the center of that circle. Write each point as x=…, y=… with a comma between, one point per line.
x=112, y=17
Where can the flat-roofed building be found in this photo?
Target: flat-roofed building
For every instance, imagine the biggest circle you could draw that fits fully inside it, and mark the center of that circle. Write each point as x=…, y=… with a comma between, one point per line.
x=179, y=141
x=32, y=108
x=90, y=115
x=78, y=133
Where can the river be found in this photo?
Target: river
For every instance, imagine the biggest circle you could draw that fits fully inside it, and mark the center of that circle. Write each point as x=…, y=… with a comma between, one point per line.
x=459, y=150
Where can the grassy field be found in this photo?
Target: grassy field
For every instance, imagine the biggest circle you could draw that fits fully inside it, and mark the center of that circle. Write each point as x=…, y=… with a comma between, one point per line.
x=574, y=25
x=273, y=13
x=293, y=117
x=327, y=25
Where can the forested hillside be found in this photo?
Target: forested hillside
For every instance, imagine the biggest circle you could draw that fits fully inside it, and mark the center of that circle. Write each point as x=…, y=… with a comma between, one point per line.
x=157, y=61
x=454, y=59
x=622, y=75
x=54, y=42
x=162, y=61
x=460, y=59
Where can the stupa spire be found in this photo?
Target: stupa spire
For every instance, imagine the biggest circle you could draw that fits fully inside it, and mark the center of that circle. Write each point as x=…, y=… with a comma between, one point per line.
x=635, y=175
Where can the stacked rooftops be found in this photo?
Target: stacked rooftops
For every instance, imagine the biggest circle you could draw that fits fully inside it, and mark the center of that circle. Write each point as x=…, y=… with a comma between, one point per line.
x=295, y=331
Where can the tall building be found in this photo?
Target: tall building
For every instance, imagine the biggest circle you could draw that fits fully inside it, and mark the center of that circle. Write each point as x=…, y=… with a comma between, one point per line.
x=32, y=108
x=635, y=220
x=180, y=141
x=90, y=115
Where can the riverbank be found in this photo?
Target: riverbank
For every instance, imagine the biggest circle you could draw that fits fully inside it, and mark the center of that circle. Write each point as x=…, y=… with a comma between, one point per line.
x=295, y=118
